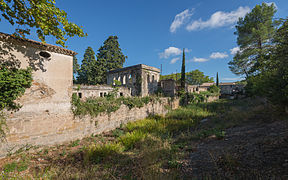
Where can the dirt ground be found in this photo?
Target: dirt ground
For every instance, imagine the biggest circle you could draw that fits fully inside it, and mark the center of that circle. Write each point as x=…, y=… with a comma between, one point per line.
x=255, y=151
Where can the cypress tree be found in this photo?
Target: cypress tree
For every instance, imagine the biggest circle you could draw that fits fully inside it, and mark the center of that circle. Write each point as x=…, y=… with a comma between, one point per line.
x=109, y=57
x=76, y=68
x=183, y=71
x=88, y=68
x=217, y=80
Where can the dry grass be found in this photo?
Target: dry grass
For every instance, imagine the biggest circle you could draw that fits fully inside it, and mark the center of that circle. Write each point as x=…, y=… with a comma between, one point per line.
x=152, y=148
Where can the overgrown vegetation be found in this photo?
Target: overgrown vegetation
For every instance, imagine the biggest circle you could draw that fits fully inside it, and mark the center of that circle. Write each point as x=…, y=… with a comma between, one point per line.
x=13, y=83
x=108, y=104
x=199, y=97
x=153, y=148
x=262, y=57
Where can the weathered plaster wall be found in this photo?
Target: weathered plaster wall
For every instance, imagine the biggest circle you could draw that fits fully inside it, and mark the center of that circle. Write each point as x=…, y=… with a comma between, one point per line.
x=46, y=128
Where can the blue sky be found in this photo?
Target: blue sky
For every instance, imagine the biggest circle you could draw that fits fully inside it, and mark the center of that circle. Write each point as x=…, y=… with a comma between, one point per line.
x=155, y=32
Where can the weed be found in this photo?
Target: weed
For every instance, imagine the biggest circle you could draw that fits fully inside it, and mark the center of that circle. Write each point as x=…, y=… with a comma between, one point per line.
x=96, y=153
x=75, y=143
x=132, y=139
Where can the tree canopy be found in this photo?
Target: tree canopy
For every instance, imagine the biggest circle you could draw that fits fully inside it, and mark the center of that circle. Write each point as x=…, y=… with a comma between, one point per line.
x=43, y=15
x=254, y=37
x=194, y=77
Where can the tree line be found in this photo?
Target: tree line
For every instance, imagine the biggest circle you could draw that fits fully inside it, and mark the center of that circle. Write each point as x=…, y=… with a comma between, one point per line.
x=93, y=71
x=263, y=54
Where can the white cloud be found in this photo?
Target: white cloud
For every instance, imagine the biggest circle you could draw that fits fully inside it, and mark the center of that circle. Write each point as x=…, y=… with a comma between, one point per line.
x=234, y=50
x=218, y=55
x=174, y=60
x=195, y=59
x=219, y=19
x=180, y=19
x=171, y=51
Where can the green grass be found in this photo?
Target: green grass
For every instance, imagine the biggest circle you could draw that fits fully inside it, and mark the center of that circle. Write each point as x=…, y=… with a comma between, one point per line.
x=152, y=148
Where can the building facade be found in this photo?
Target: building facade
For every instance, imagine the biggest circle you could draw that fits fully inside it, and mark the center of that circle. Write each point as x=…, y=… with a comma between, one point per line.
x=141, y=80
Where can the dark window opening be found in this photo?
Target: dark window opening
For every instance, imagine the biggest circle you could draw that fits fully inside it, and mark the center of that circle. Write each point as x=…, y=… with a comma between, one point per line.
x=101, y=94
x=121, y=94
x=45, y=54
x=80, y=95
x=105, y=94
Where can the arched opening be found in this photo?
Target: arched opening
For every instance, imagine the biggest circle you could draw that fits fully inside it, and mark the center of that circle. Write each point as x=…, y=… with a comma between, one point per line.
x=148, y=78
x=124, y=79
x=153, y=78
x=130, y=79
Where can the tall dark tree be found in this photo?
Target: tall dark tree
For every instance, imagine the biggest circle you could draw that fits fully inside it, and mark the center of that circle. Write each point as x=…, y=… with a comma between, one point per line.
x=86, y=74
x=76, y=68
x=110, y=57
x=182, y=81
x=255, y=32
x=217, y=80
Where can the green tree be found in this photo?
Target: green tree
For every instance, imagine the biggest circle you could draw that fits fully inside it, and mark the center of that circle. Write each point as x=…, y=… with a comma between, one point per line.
x=197, y=77
x=42, y=15
x=87, y=73
x=193, y=77
x=109, y=57
x=217, y=80
x=76, y=68
x=273, y=82
x=255, y=32
x=183, y=75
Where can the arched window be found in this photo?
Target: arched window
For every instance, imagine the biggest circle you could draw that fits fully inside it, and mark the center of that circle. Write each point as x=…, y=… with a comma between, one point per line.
x=130, y=79
x=148, y=78
x=124, y=79
x=153, y=78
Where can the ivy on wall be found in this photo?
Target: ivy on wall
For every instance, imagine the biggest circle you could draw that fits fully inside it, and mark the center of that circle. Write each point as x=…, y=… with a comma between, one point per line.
x=108, y=104
x=13, y=83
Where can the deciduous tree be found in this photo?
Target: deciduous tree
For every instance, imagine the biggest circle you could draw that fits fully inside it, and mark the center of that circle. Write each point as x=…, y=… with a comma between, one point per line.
x=42, y=15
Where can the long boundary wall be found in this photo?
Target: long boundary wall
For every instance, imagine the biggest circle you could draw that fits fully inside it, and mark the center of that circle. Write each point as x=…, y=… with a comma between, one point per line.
x=47, y=128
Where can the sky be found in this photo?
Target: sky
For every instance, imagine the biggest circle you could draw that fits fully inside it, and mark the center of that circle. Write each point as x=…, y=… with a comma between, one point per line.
x=154, y=32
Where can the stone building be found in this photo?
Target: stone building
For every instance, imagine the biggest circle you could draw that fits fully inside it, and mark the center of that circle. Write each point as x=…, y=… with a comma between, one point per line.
x=85, y=91
x=142, y=80
x=231, y=88
x=169, y=87
x=46, y=105
x=46, y=117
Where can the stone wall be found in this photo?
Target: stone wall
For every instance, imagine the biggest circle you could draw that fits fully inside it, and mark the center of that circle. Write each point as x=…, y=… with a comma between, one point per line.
x=48, y=128
x=85, y=91
x=141, y=79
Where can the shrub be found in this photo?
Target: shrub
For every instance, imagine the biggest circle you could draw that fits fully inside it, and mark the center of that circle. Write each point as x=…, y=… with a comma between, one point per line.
x=131, y=139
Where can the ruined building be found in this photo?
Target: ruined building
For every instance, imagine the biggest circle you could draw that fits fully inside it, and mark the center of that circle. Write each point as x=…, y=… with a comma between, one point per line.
x=142, y=80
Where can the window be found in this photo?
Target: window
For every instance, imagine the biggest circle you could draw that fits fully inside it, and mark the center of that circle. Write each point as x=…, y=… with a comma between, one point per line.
x=80, y=95
x=121, y=94
x=148, y=78
x=130, y=79
x=153, y=78
x=45, y=54
x=105, y=94
x=101, y=94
